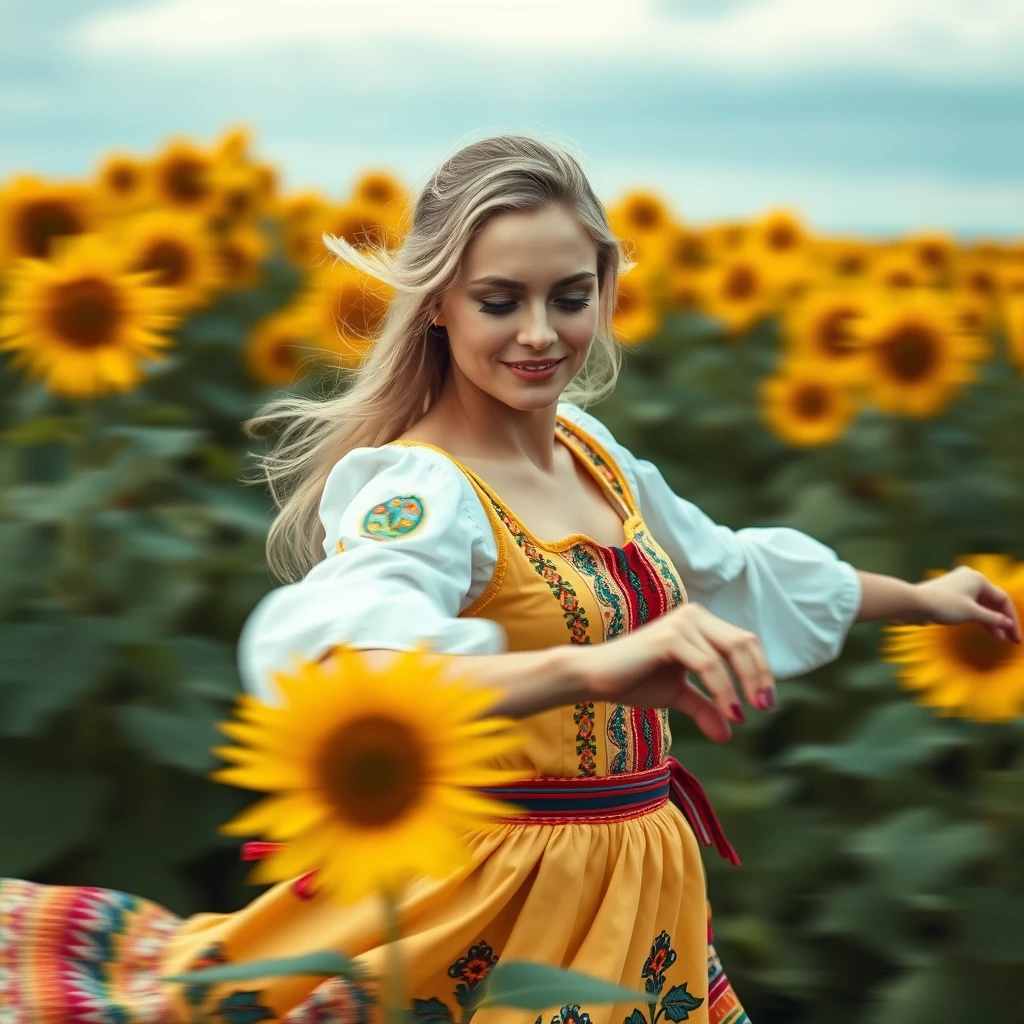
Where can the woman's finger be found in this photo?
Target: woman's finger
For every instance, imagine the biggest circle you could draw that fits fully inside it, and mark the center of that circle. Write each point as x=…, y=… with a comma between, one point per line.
x=745, y=655
x=704, y=711
x=700, y=657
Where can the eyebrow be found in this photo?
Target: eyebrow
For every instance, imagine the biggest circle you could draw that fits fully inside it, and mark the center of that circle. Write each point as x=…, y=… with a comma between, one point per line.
x=504, y=282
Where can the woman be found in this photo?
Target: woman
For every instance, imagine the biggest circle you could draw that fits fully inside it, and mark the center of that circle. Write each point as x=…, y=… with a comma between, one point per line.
x=393, y=528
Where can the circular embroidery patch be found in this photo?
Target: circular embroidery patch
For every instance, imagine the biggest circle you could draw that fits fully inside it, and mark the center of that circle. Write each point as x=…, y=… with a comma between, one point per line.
x=396, y=517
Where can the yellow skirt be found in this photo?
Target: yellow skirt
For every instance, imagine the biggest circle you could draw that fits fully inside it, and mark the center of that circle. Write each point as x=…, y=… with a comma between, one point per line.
x=623, y=901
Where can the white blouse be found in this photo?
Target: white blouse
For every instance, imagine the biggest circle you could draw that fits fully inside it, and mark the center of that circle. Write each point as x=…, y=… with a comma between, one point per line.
x=790, y=589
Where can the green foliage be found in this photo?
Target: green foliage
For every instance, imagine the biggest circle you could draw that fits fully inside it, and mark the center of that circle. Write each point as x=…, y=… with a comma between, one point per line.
x=881, y=844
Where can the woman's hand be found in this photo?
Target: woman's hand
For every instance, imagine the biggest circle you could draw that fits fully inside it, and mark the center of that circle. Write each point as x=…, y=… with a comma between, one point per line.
x=965, y=595
x=648, y=667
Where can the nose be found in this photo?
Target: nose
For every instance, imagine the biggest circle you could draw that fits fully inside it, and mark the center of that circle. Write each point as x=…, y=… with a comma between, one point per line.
x=536, y=330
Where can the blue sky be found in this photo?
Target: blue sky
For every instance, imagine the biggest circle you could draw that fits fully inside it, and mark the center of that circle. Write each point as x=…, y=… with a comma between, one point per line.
x=876, y=116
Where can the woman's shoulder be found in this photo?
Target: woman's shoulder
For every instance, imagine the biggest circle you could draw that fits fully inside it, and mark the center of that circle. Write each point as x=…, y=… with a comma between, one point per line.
x=412, y=476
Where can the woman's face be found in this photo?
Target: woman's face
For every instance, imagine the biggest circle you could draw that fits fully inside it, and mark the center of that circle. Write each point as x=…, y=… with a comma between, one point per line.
x=527, y=293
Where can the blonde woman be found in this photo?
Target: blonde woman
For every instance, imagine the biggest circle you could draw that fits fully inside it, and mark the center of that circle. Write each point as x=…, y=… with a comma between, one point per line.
x=457, y=491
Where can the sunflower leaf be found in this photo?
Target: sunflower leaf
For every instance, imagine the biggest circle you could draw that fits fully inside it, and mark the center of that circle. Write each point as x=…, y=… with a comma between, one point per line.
x=886, y=741
x=326, y=963
x=532, y=986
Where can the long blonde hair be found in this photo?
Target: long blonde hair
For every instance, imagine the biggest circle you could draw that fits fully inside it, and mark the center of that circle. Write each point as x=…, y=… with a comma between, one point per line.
x=405, y=365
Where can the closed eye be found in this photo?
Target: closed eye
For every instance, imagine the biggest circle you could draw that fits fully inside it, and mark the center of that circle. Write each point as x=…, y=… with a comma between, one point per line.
x=504, y=308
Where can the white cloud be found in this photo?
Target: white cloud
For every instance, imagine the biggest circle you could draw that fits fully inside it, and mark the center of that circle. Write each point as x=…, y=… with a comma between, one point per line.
x=931, y=38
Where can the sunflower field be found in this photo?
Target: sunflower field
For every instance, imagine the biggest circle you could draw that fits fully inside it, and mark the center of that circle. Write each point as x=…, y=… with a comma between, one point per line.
x=869, y=392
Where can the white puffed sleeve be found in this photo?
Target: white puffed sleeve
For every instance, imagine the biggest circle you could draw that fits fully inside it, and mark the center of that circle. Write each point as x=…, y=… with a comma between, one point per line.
x=386, y=588
x=793, y=591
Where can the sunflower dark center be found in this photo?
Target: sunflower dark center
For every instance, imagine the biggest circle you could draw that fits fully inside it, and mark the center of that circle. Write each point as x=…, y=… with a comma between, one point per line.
x=974, y=647
x=900, y=278
x=185, y=178
x=983, y=282
x=284, y=353
x=811, y=401
x=377, y=191
x=740, y=283
x=933, y=255
x=373, y=770
x=781, y=237
x=850, y=264
x=238, y=201
x=836, y=332
x=43, y=221
x=85, y=312
x=234, y=260
x=123, y=179
x=644, y=214
x=910, y=352
x=171, y=261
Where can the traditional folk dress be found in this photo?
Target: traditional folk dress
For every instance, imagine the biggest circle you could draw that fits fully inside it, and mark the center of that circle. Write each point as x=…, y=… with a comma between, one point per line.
x=603, y=875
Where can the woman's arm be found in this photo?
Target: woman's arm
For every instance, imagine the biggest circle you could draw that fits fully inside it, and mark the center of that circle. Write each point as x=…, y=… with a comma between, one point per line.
x=889, y=598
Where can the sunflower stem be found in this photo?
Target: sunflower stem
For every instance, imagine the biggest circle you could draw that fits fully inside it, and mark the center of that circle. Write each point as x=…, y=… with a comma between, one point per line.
x=394, y=996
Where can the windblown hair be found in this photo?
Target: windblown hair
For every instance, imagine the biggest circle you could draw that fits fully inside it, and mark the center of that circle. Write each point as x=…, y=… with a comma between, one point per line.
x=407, y=360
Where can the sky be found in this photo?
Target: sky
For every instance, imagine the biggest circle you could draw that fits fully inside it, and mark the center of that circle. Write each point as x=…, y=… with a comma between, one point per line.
x=877, y=116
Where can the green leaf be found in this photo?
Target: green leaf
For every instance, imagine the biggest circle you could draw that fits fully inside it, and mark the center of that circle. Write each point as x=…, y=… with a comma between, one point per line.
x=159, y=442
x=40, y=430
x=888, y=740
x=181, y=740
x=326, y=963
x=46, y=666
x=993, y=925
x=45, y=815
x=431, y=1011
x=677, y=1002
x=532, y=986
x=916, y=850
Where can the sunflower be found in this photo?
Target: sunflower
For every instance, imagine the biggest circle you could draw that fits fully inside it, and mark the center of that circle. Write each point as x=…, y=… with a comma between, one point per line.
x=779, y=232
x=178, y=251
x=724, y=239
x=636, y=316
x=301, y=216
x=739, y=290
x=933, y=253
x=234, y=145
x=81, y=321
x=823, y=324
x=963, y=670
x=277, y=347
x=34, y=213
x=236, y=189
x=361, y=224
x=804, y=403
x=379, y=188
x=844, y=258
x=371, y=772
x=1015, y=330
x=918, y=355
x=182, y=177
x=685, y=249
x=897, y=269
x=122, y=182
x=345, y=308
x=640, y=212
x=980, y=275
x=240, y=252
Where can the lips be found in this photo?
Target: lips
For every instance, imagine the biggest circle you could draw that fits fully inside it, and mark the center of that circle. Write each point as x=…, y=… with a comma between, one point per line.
x=543, y=364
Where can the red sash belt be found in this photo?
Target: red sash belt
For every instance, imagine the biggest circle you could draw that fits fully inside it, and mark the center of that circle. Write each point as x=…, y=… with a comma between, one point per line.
x=587, y=800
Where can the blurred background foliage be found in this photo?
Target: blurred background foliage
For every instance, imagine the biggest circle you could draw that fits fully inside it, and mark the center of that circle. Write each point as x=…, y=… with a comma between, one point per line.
x=865, y=391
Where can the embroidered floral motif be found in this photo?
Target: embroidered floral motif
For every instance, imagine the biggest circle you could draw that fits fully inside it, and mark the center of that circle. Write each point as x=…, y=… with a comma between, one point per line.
x=662, y=957
x=587, y=564
x=666, y=572
x=597, y=460
x=586, y=743
x=470, y=972
x=396, y=517
x=334, y=1001
x=674, y=1005
x=571, y=1015
x=616, y=729
x=213, y=956
x=563, y=590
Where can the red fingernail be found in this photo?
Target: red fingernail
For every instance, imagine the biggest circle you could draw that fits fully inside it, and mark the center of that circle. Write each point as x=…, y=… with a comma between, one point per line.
x=737, y=713
x=767, y=698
